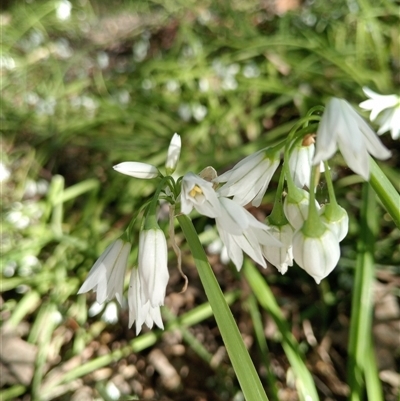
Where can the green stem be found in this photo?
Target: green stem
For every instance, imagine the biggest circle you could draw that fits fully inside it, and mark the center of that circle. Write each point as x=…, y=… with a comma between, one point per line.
x=313, y=227
x=361, y=309
x=238, y=354
x=277, y=216
x=329, y=183
x=385, y=191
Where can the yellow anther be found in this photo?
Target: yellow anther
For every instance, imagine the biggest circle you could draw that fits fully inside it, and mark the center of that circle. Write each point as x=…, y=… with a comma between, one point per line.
x=194, y=191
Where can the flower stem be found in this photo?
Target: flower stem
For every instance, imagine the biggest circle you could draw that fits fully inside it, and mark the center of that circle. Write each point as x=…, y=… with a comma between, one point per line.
x=238, y=354
x=331, y=191
x=385, y=191
x=277, y=216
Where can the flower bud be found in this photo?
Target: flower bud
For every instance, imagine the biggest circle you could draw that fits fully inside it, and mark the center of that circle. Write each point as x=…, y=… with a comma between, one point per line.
x=336, y=218
x=318, y=256
x=174, y=152
x=138, y=170
x=296, y=210
x=153, y=266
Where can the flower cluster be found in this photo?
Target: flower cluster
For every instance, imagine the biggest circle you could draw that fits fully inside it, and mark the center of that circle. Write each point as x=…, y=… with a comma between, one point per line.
x=148, y=281
x=297, y=230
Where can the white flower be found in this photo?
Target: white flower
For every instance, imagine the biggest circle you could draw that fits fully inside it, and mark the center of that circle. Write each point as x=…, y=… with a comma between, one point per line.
x=336, y=218
x=139, y=311
x=106, y=277
x=63, y=10
x=341, y=127
x=389, y=106
x=137, y=170
x=297, y=211
x=174, y=152
x=318, y=256
x=248, y=180
x=153, y=266
x=300, y=164
x=281, y=257
x=241, y=232
x=200, y=194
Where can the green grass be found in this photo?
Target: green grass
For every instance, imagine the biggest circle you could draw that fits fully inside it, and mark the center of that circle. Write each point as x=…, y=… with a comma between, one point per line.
x=230, y=78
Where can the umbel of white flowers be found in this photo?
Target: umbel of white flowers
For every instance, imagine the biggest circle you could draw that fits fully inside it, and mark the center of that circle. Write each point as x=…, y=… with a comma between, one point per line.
x=298, y=229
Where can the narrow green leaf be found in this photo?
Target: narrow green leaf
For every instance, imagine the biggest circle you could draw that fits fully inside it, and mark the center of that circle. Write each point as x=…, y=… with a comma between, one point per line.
x=238, y=354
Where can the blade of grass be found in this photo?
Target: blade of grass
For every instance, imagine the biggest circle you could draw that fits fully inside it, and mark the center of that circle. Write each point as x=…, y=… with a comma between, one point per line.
x=304, y=381
x=242, y=364
x=256, y=318
x=361, y=311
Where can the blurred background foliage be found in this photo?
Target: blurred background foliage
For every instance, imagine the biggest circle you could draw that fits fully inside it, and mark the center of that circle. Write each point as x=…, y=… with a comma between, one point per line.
x=87, y=84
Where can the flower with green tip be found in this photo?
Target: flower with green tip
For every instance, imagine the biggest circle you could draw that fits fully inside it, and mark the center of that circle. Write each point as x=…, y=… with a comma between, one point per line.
x=138, y=170
x=336, y=218
x=388, y=109
x=248, y=180
x=174, y=151
x=318, y=255
x=341, y=127
x=296, y=207
x=106, y=277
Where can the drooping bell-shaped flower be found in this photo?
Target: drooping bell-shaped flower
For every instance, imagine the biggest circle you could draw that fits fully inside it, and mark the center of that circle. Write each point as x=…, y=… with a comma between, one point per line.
x=241, y=232
x=341, y=127
x=385, y=109
x=248, y=180
x=199, y=193
x=138, y=170
x=139, y=311
x=106, y=277
x=153, y=263
x=296, y=207
x=336, y=218
x=281, y=257
x=300, y=161
x=174, y=151
x=319, y=254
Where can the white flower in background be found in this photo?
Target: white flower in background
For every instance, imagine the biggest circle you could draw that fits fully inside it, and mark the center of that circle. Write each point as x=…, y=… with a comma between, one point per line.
x=200, y=194
x=341, y=127
x=388, y=106
x=63, y=10
x=336, y=218
x=106, y=277
x=296, y=211
x=248, y=180
x=241, y=232
x=174, y=152
x=281, y=257
x=139, y=311
x=318, y=256
x=137, y=170
x=153, y=266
